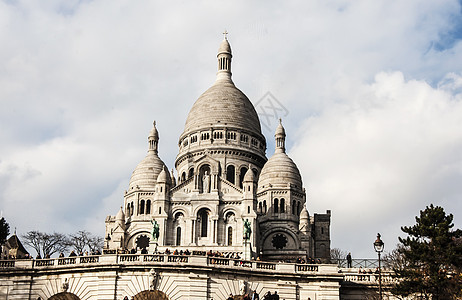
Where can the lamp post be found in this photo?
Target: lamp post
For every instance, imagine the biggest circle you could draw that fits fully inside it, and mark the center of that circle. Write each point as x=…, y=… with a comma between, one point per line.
x=378, y=246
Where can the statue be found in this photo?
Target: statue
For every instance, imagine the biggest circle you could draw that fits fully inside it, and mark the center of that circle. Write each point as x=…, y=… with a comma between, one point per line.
x=153, y=278
x=206, y=182
x=242, y=287
x=65, y=285
x=247, y=229
x=155, y=230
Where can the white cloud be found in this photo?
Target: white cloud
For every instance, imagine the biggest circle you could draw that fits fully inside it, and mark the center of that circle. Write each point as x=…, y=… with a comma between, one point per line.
x=381, y=154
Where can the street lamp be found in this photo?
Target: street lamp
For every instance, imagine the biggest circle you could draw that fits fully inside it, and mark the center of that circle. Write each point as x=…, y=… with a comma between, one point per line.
x=378, y=246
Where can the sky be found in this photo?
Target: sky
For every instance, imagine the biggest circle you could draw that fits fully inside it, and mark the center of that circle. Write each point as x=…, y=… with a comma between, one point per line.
x=370, y=93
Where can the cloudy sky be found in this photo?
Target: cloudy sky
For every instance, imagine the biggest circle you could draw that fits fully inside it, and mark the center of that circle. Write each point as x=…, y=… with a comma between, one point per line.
x=370, y=93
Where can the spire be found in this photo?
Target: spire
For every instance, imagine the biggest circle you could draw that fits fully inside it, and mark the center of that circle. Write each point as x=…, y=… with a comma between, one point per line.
x=224, y=60
x=280, y=136
x=153, y=138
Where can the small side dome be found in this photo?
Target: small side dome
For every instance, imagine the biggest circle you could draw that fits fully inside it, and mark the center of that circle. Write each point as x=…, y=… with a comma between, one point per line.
x=163, y=177
x=145, y=174
x=120, y=215
x=279, y=171
x=249, y=176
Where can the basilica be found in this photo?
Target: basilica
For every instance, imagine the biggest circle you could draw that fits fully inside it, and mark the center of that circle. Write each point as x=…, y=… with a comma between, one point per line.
x=227, y=197
x=225, y=222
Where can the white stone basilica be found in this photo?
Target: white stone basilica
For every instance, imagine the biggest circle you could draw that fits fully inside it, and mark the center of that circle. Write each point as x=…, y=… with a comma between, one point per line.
x=225, y=187
x=224, y=179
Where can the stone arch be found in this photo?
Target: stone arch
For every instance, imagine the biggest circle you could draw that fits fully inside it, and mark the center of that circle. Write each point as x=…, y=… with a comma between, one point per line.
x=204, y=169
x=206, y=206
x=237, y=213
x=242, y=171
x=268, y=236
x=64, y=296
x=179, y=225
x=180, y=210
x=131, y=242
x=151, y=295
x=203, y=220
x=231, y=173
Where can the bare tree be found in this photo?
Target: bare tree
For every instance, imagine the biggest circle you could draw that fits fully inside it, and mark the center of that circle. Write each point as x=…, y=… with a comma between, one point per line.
x=95, y=243
x=83, y=240
x=337, y=254
x=79, y=240
x=46, y=244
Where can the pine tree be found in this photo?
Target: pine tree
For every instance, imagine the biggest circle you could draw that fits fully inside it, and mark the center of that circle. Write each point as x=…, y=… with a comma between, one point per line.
x=4, y=230
x=432, y=257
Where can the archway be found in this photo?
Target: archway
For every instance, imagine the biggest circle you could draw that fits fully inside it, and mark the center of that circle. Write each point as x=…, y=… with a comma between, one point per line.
x=64, y=296
x=151, y=295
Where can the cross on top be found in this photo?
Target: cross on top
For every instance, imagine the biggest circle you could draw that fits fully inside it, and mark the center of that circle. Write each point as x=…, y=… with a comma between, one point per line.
x=225, y=34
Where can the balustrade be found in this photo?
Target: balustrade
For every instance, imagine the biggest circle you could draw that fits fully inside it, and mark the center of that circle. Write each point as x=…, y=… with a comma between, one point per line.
x=307, y=268
x=7, y=264
x=243, y=263
x=218, y=261
x=266, y=266
x=177, y=258
x=89, y=259
x=156, y=258
x=66, y=261
x=44, y=262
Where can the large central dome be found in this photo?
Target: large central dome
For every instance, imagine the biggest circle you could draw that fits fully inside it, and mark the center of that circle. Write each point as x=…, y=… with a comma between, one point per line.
x=224, y=104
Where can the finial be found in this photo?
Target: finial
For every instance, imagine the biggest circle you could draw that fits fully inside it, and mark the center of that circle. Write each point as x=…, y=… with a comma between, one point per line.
x=225, y=34
x=154, y=123
x=280, y=121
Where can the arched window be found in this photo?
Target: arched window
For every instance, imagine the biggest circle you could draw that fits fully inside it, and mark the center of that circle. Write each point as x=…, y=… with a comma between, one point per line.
x=160, y=210
x=141, y=207
x=275, y=205
x=204, y=218
x=282, y=205
x=264, y=206
x=128, y=209
x=230, y=236
x=148, y=207
x=248, y=209
x=190, y=173
x=241, y=176
x=231, y=173
x=132, y=209
x=293, y=207
x=183, y=176
x=260, y=209
x=178, y=236
x=298, y=208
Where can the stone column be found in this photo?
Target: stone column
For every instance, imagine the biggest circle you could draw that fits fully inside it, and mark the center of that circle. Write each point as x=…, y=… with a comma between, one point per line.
x=193, y=231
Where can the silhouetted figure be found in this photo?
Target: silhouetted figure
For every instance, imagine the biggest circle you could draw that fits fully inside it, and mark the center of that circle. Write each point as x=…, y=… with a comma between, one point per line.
x=349, y=260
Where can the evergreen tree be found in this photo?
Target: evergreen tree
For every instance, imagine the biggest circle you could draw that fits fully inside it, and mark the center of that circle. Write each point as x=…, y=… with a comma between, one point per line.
x=431, y=257
x=4, y=230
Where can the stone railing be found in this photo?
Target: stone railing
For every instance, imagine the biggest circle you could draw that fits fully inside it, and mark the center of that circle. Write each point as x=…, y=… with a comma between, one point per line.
x=369, y=278
x=167, y=259
x=307, y=268
x=360, y=262
x=266, y=266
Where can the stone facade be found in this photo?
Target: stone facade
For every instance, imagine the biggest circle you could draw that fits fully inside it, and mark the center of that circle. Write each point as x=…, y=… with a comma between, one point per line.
x=227, y=197
x=224, y=179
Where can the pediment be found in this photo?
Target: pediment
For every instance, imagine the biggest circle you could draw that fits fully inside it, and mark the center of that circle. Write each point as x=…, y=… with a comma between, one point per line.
x=227, y=188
